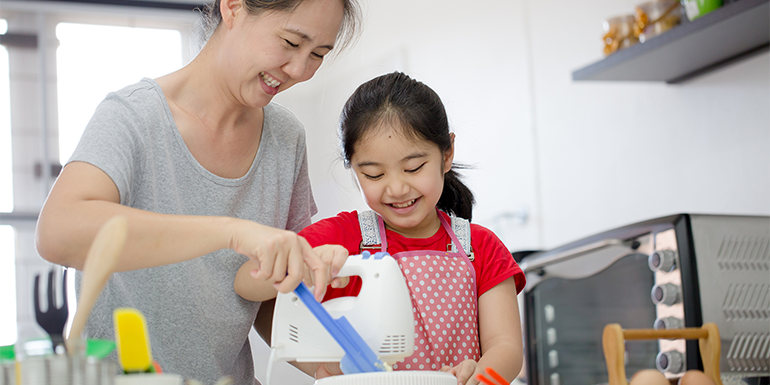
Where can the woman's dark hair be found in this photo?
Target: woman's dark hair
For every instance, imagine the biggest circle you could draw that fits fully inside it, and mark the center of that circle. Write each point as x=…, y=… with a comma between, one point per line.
x=396, y=97
x=348, y=31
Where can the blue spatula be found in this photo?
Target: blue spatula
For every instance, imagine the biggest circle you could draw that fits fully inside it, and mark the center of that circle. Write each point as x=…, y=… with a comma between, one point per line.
x=359, y=357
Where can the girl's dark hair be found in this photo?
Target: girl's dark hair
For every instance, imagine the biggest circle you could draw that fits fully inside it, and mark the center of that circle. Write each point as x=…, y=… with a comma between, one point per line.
x=348, y=31
x=396, y=97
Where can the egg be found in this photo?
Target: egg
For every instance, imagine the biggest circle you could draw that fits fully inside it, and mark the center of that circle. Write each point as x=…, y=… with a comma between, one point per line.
x=695, y=377
x=649, y=377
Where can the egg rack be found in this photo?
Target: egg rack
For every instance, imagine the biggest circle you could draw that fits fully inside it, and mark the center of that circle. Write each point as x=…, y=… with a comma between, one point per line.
x=613, y=343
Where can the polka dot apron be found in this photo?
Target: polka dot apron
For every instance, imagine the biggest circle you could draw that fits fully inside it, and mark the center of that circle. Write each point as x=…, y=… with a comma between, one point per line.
x=442, y=285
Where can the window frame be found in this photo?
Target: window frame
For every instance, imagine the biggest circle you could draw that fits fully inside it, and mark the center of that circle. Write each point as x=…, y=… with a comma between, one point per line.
x=31, y=43
x=39, y=37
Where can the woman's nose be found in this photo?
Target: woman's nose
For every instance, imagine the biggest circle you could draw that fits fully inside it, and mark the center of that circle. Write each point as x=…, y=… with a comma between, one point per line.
x=296, y=67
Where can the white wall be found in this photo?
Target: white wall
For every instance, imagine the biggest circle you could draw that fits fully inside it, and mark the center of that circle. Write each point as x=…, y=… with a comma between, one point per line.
x=472, y=57
x=615, y=153
x=580, y=157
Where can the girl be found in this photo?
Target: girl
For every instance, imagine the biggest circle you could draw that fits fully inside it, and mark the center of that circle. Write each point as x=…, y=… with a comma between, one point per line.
x=462, y=279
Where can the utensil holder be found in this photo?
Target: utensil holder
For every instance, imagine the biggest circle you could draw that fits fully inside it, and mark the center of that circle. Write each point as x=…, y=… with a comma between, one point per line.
x=58, y=369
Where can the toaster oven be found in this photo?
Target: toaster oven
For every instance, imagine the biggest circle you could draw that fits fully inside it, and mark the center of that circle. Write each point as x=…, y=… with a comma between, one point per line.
x=671, y=272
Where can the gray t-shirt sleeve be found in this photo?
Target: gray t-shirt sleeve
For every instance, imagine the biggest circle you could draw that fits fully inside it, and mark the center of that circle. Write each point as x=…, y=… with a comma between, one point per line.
x=113, y=141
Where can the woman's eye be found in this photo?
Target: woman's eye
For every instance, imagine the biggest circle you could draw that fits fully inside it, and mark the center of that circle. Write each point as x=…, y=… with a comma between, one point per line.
x=318, y=55
x=290, y=43
x=372, y=177
x=416, y=169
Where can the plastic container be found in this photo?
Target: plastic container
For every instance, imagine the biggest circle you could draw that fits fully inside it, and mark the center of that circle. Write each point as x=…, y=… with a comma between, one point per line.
x=619, y=33
x=697, y=8
x=656, y=17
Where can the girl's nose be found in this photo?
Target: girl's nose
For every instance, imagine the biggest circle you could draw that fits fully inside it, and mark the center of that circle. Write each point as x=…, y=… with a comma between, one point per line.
x=397, y=187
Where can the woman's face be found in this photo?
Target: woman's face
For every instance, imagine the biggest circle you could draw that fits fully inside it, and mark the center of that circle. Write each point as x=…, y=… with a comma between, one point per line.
x=273, y=51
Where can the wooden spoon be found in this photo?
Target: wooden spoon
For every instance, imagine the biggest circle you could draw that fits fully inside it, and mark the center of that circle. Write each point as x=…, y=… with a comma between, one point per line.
x=99, y=265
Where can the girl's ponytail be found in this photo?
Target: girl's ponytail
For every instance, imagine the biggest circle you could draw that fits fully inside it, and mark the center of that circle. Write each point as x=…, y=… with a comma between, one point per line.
x=456, y=198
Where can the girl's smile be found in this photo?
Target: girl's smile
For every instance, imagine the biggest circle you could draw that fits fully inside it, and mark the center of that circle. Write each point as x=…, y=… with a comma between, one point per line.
x=404, y=208
x=403, y=205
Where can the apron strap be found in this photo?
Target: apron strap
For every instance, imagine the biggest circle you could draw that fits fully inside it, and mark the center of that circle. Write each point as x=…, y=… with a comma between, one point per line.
x=462, y=229
x=371, y=231
x=457, y=245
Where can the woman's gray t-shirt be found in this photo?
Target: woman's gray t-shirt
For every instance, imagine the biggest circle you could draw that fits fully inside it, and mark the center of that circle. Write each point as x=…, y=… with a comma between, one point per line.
x=198, y=325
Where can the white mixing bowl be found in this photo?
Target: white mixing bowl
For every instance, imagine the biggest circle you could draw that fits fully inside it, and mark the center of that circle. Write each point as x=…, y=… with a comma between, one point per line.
x=405, y=377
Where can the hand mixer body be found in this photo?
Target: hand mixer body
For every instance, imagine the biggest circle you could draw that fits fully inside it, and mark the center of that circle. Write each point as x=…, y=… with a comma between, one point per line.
x=381, y=314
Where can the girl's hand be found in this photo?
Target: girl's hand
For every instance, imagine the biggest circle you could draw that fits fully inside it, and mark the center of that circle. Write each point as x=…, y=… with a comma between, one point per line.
x=334, y=256
x=327, y=369
x=281, y=256
x=465, y=372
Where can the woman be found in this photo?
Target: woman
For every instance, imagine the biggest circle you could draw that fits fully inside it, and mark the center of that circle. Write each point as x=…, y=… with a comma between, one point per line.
x=209, y=174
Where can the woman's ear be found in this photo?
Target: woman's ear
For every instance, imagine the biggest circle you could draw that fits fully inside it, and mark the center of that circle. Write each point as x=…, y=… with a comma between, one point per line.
x=449, y=155
x=229, y=10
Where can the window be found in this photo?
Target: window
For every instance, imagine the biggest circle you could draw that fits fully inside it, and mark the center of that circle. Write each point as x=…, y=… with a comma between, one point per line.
x=7, y=285
x=7, y=237
x=6, y=155
x=93, y=60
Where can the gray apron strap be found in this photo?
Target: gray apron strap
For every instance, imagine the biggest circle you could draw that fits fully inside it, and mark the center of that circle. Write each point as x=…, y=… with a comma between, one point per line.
x=371, y=240
x=370, y=230
x=462, y=229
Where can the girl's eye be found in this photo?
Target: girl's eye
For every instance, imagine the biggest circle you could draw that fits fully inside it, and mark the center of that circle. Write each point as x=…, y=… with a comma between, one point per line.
x=292, y=45
x=416, y=169
x=319, y=56
x=372, y=177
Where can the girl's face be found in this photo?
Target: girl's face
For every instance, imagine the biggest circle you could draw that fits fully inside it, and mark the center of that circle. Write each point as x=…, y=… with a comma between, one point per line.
x=273, y=51
x=401, y=179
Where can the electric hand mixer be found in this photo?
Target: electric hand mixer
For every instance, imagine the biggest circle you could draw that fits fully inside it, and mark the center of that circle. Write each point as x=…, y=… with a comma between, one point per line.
x=366, y=334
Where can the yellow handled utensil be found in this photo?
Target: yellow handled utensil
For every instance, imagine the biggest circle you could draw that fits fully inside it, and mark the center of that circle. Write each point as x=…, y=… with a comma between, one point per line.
x=132, y=341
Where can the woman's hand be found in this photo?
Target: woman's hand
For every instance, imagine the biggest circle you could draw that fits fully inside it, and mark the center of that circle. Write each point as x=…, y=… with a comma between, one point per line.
x=249, y=285
x=334, y=256
x=280, y=257
x=465, y=372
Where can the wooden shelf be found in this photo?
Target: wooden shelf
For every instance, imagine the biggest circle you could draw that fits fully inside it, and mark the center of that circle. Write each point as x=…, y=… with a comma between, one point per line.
x=728, y=34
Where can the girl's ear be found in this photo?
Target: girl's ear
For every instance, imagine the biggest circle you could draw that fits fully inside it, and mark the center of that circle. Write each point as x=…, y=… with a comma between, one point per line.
x=229, y=10
x=449, y=155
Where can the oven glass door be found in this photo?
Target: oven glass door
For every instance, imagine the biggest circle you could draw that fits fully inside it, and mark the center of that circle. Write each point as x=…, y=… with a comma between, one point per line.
x=566, y=317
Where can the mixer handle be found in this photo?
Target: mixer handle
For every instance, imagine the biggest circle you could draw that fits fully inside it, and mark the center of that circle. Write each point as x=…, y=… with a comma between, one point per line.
x=359, y=264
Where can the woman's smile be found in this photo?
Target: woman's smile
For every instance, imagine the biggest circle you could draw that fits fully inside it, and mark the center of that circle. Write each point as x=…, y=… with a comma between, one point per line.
x=269, y=83
x=270, y=80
